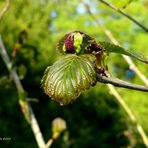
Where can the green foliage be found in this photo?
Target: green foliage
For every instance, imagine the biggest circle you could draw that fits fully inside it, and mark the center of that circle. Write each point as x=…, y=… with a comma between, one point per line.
x=121, y=3
x=96, y=119
x=118, y=49
x=73, y=73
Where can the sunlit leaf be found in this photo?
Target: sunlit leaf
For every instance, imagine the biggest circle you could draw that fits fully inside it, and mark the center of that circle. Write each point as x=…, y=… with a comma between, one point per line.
x=118, y=49
x=67, y=78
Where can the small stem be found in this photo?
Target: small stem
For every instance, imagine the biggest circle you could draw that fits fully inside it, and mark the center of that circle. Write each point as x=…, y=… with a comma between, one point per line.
x=121, y=83
x=36, y=130
x=125, y=14
x=49, y=143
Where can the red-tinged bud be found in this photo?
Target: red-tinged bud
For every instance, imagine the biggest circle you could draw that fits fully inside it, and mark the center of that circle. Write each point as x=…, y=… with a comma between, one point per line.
x=79, y=43
x=69, y=43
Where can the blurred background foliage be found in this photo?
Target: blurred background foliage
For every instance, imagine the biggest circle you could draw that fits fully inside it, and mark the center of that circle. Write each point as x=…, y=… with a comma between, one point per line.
x=30, y=30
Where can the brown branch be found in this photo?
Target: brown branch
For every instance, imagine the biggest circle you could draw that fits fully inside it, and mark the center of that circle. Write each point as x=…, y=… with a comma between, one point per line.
x=26, y=108
x=125, y=14
x=121, y=83
x=4, y=10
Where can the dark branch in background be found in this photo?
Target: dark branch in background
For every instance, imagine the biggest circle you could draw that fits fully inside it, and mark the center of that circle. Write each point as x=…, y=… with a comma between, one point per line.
x=4, y=10
x=121, y=83
x=125, y=14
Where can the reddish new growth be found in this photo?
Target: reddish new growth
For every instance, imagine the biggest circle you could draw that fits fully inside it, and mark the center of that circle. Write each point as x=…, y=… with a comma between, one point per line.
x=69, y=43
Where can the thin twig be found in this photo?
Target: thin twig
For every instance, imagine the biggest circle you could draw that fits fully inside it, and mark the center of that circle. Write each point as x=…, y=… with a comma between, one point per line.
x=5, y=8
x=27, y=110
x=125, y=14
x=36, y=130
x=121, y=83
x=49, y=143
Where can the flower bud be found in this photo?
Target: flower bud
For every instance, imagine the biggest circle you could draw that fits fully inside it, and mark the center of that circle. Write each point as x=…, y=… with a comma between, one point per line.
x=73, y=42
x=69, y=44
x=79, y=43
x=58, y=126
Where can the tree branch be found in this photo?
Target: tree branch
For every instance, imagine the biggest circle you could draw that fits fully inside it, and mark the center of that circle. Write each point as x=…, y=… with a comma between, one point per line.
x=26, y=108
x=121, y=83
x=4, y=10
x=125, y=14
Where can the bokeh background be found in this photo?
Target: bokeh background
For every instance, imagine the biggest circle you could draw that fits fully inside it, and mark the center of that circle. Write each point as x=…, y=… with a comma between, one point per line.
x=30, y=30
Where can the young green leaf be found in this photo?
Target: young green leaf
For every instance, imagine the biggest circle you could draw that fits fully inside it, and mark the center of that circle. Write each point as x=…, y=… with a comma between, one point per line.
x=67, y=78
x=117, y=49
